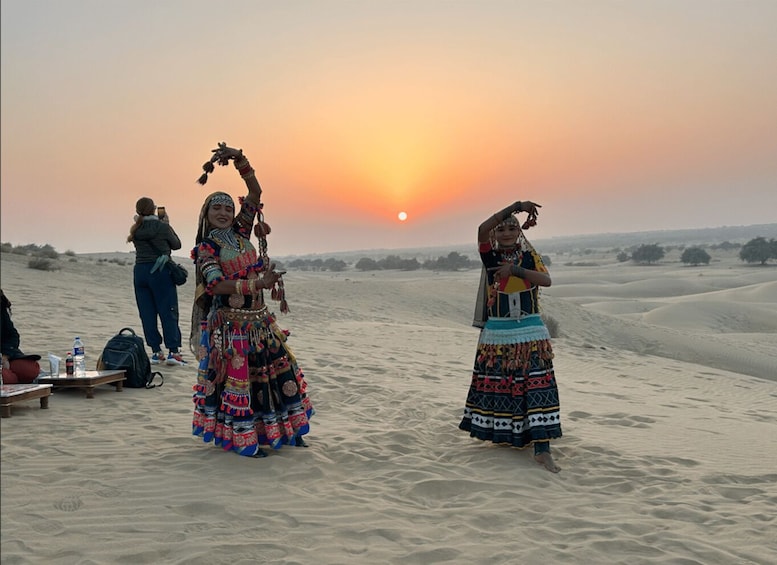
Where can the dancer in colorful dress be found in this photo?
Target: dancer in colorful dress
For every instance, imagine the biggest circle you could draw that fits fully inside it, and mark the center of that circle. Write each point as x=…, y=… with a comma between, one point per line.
x=250, y=390
x=512, y=399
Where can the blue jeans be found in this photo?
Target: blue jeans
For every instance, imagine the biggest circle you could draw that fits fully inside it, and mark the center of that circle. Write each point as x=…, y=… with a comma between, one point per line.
x=157, y=299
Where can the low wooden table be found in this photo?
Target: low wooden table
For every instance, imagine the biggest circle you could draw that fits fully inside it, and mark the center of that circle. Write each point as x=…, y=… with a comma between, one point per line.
x=92, y=380
x=10, y=394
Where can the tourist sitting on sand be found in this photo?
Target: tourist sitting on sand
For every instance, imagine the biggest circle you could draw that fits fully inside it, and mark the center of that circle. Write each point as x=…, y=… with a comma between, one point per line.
x=17, y=367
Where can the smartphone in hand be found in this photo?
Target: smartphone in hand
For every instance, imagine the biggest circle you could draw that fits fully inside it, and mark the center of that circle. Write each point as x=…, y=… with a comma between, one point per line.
x=160, y=211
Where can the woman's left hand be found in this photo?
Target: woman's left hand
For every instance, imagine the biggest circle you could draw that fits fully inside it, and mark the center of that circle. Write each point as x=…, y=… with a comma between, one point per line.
x=502, y=271
x=271, y=276
x=223, y=153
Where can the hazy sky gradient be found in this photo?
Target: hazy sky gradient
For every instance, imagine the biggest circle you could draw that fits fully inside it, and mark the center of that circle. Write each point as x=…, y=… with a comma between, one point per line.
x=615, y=116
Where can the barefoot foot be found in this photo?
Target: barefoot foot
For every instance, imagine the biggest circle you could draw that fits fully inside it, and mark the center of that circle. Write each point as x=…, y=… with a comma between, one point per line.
x=546, y=460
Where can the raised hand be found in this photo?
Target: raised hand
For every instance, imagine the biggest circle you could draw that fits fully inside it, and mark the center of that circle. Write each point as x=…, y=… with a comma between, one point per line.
x=221, y=155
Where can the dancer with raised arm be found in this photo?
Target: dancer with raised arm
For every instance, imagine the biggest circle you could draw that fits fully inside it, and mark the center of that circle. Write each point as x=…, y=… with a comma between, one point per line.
x=250, y=391
x=513, y=398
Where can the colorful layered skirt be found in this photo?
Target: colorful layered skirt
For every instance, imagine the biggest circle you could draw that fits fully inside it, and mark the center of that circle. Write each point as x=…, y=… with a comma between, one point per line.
x=513, y=398
x=250, y=391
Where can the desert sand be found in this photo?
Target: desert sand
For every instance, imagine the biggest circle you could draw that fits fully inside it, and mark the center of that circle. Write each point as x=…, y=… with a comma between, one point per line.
x=668, y=384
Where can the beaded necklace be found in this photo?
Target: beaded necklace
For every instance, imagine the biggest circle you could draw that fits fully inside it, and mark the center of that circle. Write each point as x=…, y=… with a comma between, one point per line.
x=512, y=255
x=227, y=238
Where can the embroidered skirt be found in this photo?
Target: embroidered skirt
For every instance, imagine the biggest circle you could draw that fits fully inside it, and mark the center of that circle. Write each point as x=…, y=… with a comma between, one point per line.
x=513, y=398
x=250, y=390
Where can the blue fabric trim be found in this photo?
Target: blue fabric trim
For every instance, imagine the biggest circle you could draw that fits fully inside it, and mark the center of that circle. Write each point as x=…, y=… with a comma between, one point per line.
x=512, y=330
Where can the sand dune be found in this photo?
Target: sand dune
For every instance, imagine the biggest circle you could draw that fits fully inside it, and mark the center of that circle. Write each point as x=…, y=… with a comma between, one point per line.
x=669, y=454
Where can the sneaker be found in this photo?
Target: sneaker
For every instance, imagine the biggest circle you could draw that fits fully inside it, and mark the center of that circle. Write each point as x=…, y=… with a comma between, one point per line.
x=175, y=359
x=157, y=358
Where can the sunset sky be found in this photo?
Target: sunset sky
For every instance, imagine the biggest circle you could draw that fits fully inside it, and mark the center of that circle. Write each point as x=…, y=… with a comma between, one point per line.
x=616, y=116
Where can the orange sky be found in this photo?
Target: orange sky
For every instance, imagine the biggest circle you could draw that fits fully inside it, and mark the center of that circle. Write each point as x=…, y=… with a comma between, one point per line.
x=615, y=116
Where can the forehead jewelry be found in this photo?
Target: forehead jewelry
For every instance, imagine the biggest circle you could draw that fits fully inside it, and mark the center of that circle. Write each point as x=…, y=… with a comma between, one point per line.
x=225, y=199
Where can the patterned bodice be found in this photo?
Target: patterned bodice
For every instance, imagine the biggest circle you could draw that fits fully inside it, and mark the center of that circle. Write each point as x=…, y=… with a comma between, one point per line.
x=508, y=297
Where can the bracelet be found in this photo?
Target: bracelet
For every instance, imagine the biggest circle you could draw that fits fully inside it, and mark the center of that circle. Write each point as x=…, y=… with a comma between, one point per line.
x=243, y=167
x=239, y=287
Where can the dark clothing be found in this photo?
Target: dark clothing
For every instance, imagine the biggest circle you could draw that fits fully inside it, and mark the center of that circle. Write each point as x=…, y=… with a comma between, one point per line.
x=157, y=298
x=155, y=293
x=23, y=368
x=528, y=298
x=162, y=236
x=10, y=337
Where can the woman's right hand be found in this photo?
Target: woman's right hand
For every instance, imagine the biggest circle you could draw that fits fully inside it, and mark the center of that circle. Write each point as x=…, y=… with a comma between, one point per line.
x=530, y=207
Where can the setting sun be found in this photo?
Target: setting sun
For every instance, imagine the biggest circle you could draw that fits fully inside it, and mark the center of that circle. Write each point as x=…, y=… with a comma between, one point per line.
x=402, y=216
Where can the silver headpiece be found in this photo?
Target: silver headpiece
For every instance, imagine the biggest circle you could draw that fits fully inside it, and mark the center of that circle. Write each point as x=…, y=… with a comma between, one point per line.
x=225, y=199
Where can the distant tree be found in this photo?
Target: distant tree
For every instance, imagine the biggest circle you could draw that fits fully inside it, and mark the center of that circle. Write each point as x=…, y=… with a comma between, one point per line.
x=335, y=265
x=622, y=257
x=648, y=253
x=695, y=256
x=367, y=264
x=758, y=250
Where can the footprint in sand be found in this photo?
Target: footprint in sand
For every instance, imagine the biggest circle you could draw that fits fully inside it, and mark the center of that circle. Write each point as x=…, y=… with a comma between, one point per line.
x=68, y=504
x=47, y=527
x=108, y=492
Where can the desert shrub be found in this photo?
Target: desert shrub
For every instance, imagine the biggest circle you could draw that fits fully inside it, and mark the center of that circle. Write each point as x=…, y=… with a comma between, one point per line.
x=70, y=253
x=42, y=264
x=622, y=257
x=552, y=324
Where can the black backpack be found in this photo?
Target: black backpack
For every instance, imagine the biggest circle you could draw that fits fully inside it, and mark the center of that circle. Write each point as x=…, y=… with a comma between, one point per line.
x=126, y=351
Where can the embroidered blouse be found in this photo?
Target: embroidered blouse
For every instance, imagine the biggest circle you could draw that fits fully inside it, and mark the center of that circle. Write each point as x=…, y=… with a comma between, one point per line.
x=514, y=297
x=228, y=254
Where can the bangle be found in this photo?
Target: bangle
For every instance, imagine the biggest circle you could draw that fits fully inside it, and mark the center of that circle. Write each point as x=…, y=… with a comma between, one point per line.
x=239, y=287
x=244, y=167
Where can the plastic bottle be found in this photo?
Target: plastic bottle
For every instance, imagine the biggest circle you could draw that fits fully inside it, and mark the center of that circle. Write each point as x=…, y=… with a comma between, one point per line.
x=79, y=361
x=69, y=364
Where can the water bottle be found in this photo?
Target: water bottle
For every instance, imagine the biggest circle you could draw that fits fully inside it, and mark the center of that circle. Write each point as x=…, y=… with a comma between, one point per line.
x=79, y=361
